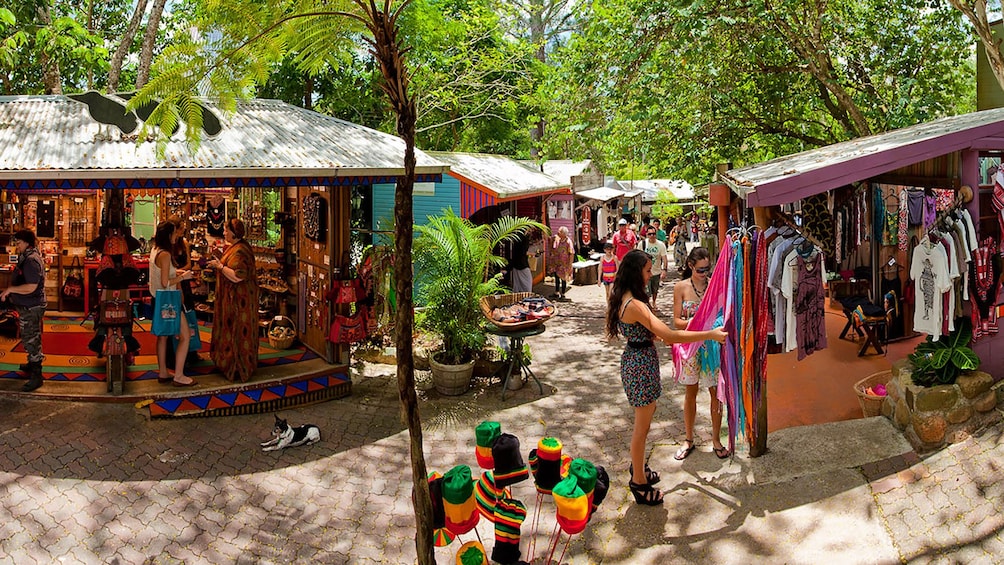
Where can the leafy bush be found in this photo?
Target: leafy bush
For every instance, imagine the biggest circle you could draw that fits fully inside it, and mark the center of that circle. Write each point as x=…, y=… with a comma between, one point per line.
x=941, y=362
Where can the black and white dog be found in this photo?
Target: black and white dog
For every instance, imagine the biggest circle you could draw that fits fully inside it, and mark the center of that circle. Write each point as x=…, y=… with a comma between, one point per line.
x=285, y=436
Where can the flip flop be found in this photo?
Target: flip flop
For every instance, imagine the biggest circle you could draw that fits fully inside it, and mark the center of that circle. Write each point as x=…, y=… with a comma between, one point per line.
x=722, y=452
x=685, y=450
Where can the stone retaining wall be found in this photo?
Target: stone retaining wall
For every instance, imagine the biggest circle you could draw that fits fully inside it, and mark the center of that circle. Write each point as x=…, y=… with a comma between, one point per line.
x=930, y=417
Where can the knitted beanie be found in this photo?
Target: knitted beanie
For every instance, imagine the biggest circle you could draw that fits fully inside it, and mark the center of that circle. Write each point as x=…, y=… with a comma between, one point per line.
x=545, y=463
x=458, y=500
x=509, y=516
x=472, y=553
x=572, y=505
x=486, y=494
x=600, y=492
x=485, y=435
x=509, y=466
x=441, y=537
x=585, y=475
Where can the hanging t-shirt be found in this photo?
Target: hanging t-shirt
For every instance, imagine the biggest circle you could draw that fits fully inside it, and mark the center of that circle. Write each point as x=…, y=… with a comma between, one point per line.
x=930, y=272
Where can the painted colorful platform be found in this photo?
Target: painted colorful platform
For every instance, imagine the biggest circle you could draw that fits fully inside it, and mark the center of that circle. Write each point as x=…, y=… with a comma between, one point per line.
x=284, y=378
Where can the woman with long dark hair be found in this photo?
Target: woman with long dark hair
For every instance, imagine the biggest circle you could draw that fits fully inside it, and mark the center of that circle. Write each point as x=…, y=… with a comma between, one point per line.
x=629, y=315
x=164, y=276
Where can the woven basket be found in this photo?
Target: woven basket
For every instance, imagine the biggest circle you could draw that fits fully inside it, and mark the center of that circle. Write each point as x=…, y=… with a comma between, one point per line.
x=871, y=405
x=489, y=303
x=281, y=343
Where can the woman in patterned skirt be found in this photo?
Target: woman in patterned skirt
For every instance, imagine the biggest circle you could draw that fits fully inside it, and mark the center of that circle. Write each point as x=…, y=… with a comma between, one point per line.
x=235, y=321
x=629, y=314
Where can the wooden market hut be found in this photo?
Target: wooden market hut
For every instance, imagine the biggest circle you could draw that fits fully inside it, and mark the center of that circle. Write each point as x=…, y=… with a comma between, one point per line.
x=71, y=149
x=948, y=154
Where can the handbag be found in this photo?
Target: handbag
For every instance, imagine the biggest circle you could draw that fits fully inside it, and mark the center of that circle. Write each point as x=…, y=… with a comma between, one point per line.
x=115, y=312
x=348, y=329
x=167, y=313
x=73, y=286
x=344, y=291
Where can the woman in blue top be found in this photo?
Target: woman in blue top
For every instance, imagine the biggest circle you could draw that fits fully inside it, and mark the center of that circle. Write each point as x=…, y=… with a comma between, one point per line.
x=629, y=315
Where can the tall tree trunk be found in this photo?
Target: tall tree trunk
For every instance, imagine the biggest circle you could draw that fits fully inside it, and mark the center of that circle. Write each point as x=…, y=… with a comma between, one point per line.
x=383, y=25
x=123, y=49
x=977, y=15
x=149, y=38
x=539, y=40
x=308, y=92
x=51, y=79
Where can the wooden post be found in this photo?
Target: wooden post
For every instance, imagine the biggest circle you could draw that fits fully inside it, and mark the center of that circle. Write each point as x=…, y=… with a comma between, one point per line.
x=762, y=217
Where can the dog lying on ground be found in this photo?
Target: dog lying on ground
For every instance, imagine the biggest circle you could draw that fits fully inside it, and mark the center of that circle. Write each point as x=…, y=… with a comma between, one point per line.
x=286, y=436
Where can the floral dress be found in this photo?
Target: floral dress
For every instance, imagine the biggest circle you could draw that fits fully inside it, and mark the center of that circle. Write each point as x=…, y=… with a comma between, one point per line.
x=561, y=258
x=639, y=365
x=691, y=372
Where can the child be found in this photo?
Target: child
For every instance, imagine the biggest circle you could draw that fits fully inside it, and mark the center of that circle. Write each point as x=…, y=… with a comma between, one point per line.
x=608, y=268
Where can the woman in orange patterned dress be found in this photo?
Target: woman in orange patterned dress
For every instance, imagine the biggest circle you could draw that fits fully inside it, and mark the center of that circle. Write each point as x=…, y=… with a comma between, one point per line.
x=235, y=320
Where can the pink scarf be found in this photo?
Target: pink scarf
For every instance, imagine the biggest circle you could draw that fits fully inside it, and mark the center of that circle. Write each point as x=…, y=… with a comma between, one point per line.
x=714, y=304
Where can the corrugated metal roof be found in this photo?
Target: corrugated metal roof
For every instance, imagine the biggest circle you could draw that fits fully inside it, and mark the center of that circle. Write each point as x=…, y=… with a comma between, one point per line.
x=43, y=134
x=564, y=170
x=506, y=177
x=602, y=193
x=792, y=177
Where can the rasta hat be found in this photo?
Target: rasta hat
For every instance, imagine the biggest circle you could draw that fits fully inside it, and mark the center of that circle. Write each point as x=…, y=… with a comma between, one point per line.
x=572, y=505
x=509, y=466
x=545, y=464
x=485, y=435
x=472, y=553
x=509, y=516
x=600, y=492
x=585, y=476
x=458, y=500
x=486, y=494
x=441, y=537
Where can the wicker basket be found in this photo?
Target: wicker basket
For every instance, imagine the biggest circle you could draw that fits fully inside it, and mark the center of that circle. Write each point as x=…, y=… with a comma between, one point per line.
x=489, y=303
x=285, y=342
x=871, y=405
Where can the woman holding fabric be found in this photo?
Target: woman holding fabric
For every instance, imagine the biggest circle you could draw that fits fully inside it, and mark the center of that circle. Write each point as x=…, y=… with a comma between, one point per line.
x=168, y=314
x=629, y=314
x=701, y=370
x=235, y=319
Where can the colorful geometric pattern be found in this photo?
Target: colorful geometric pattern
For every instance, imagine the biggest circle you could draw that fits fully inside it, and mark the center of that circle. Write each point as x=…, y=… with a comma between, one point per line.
x=85, y=366
x=55, y=186
x=473, y=198
x=258, y=398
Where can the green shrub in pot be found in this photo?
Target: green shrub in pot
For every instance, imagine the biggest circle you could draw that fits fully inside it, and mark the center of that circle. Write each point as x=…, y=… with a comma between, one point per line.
x=941, y=362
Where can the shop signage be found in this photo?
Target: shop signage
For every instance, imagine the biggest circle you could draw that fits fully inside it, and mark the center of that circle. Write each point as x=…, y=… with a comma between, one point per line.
x=586, y=219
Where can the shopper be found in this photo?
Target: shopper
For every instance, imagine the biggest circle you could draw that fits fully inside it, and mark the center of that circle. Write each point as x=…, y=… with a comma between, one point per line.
x=660, y=261
x=624, y=240
x=679, y=244
x=562, y=257
x=608, y=268
x=235, y=320
x=27, y=294
x=701, y=371
x=168, y=312
x=519, y=264
x=628, y=314
x=182, y=259
x=660, y=233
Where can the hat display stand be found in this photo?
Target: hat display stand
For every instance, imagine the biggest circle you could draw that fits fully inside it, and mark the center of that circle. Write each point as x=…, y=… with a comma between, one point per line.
x=576, y=486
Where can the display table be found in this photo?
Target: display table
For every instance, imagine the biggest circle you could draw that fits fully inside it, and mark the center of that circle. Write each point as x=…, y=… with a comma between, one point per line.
x=514, y=357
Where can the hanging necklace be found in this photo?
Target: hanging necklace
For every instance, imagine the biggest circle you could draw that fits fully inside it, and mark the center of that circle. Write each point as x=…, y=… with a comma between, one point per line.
x=699, y=293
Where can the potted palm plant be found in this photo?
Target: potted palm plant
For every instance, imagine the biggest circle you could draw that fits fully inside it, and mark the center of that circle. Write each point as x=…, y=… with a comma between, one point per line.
x=454, y=262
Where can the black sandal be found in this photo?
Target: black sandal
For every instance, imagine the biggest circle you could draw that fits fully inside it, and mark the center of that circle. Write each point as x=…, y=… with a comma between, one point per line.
x=645, y=494
x=651, y=476
x=685, y=451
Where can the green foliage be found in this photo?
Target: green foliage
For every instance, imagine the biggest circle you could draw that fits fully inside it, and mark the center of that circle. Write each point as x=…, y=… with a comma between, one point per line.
x=941, y=362
x=452, y=260
x=666, y=206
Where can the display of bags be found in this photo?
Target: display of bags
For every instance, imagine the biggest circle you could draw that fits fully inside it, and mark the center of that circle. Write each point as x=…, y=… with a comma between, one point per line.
x=348, y=329
x=73, y=285
x=167, y=312
x=115, y=312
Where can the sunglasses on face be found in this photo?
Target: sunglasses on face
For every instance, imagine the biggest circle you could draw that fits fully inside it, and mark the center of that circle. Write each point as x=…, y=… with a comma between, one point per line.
x=703, y=270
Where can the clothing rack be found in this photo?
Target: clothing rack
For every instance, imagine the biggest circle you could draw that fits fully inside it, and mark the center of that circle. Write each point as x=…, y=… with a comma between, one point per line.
x=939, y=220
x=791, y=224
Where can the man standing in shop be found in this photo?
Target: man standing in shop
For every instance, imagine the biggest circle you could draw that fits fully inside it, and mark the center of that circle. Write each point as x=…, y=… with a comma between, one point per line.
x=27, y=294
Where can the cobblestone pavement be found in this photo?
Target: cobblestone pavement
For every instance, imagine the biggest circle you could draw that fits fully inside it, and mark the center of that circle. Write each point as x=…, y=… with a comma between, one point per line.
x=101, y=483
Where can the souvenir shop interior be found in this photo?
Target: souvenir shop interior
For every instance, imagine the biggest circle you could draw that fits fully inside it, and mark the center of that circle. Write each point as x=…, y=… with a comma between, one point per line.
x=288, y=228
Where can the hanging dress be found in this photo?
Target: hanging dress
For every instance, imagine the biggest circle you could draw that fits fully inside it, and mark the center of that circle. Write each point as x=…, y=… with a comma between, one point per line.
x=809, y=306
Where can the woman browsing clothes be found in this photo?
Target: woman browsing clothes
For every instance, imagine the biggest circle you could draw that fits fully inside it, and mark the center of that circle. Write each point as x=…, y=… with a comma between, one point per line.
x=235, y=319
x=701, y=371
x=629, y=315
x=168, y=315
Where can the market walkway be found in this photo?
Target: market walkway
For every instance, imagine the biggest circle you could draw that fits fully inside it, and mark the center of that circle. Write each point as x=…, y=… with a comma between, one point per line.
x=98, y=483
